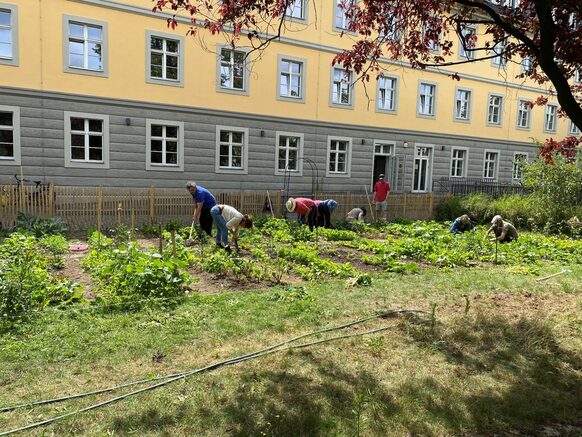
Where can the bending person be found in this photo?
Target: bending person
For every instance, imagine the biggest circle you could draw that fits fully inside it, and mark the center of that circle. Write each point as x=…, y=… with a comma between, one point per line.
x=204, y=203
x=356, y=214
x=227, y=219
x=504, y=231
x=305, y=209
x=324, y=210
x=462, y=224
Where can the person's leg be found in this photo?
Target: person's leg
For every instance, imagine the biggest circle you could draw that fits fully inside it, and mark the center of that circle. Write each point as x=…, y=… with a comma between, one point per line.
x=385, y=209
x=311, y=218
x=325, y=215
x=220, y=224
x=206, y=221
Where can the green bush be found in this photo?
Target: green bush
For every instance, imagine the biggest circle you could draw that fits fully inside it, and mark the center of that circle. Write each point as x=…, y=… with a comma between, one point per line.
x=39, y=226
x=449, y=208
x=54, y=244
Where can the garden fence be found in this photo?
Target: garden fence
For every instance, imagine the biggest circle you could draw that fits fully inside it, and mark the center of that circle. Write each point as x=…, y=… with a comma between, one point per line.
x=103, y=207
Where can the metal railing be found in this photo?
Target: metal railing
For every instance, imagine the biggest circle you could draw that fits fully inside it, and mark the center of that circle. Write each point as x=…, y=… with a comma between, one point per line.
x=466, y=186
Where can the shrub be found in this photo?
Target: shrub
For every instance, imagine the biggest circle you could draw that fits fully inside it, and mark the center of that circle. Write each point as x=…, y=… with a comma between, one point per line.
x=449, y=208
x=39, y=226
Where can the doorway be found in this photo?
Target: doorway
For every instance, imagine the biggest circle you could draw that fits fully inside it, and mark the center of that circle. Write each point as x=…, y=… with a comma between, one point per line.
x=383, y=162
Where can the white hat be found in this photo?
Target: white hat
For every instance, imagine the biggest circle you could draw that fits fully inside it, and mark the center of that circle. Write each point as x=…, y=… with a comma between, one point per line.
x=290, y=204
x=496, y=219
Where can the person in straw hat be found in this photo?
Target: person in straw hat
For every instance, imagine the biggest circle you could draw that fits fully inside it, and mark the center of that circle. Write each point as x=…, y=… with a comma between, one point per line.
x=305, y=209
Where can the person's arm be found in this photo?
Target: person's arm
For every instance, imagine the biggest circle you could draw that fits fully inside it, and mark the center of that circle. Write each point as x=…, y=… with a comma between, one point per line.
x=234, y=232
x=455, y=227
x=197, y=212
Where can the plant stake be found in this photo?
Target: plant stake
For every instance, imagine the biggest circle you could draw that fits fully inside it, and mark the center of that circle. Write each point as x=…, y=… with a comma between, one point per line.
x=369, y=203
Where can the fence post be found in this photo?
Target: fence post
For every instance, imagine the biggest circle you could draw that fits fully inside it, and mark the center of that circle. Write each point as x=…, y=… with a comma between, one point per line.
x=242, y=199
x=152, y=205
x=99, y=207
x=430, y=205
x=404, y=202
x=278, y=212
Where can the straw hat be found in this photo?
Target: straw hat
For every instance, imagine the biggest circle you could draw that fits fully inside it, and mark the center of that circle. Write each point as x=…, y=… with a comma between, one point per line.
x=290, y=204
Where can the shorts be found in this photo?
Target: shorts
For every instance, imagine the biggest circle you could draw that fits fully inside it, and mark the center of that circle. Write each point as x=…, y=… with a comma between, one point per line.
x=381, y=206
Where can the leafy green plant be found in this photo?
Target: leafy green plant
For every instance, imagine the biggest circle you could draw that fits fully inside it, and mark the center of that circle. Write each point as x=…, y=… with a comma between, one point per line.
x=54, y=244
x=39, y=226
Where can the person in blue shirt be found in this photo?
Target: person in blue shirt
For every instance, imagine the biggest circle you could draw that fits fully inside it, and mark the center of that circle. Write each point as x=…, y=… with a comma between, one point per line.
x=462, y=224
x=324, y=211
x=205, y=201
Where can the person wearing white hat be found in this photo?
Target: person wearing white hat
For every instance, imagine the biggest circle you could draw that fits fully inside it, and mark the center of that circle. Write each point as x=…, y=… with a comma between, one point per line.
x=305, y=209
x=381, y=191
x=504, y=231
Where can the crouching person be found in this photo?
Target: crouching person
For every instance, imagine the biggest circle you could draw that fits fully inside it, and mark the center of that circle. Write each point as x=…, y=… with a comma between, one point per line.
x=462, y=224
x=356, y=214
x=504, y=231
x=226, y=218
x=324, y=210
x=304, y=208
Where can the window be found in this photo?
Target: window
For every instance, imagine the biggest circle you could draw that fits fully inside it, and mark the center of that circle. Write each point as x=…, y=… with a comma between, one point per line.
x=426, y=99
x=86, y=46
x=341, y=87
x=387, y=94
x=422, y=170
x=501, y=59
x=494, y=110
x=291, y=79
x=526, y=65
x=523, y=114
x=86, y=140
x=517, y=170
x=550, y=118
x=165, y=59
x=164, y=145
x=9, y=135
x=341, y=22
x=296, y=9
x=231, y=149
x=459, y=162
x=384, y=149
x=8, y=34
x=573, y=130
x=467, y=43
x=463, y=105
x=393, y=31
x=507, y=3
x=288, y=153
x=430, y=38
x=490, y=164
x=576, y=77
x=338, y=156
x=233, y=71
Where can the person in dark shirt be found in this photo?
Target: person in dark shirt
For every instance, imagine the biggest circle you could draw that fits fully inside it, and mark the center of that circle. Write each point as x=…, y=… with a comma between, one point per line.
x=504, y=231
x=205, y=201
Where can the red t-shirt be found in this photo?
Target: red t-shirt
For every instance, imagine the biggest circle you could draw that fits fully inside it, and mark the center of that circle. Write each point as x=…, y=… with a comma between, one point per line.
x=381, y=190
x=303, y=205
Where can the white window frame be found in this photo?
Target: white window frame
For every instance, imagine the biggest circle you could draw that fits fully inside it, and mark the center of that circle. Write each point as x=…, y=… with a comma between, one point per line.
x=429, y=168
x=573, y=129
x=499, y=61
x=334, y=174
x=526, y=65
x=69, y=162
x=465, y=162
x=13, y=9
x=496, y=164
x=245, y=150
x=16, y=158
x=345, y=23
x=299, y=171
x=469, y=53
x=394, y=108
x=434, y=86
x=291, y=10
x=469, y=103
x=576, y=78
x=302, y=81
x=516, y=171
x=489, y=106
x=553, y=116
x=161, y=80
x=179, y=166
x=432, y=45
x=230, y=90
x=350, y=104
x=104, y=72
x=526, y=110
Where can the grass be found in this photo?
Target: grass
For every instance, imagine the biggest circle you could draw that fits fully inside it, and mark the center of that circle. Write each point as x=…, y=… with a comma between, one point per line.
x=509, y=361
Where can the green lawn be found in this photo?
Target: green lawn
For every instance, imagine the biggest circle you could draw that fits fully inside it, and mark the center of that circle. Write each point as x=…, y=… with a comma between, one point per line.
x=502, y=353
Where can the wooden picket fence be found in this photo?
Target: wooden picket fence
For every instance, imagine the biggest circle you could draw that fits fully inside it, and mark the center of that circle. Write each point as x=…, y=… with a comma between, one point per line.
x=104, y=207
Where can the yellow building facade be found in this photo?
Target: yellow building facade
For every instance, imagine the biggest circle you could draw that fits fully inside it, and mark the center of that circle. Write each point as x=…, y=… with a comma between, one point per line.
x=101, y=92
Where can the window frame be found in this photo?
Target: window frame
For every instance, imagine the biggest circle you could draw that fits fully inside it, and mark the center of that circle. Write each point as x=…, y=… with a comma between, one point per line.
x=513, y=166
x=335, y=9
x=16, y=141
x=349, y=105
x=347, y=173
x=245, y=151
x=529, y=115
x=430, y=168
x=303, y=62
x=159, y=80
x=573, y=130
x=180, y=149
x=465, y=161
x=499, y=61
x=469, y=104
x=69, y=162
x=434, y=105
x=303, y=18
x=299, y=171
x=555, y=122
x=462, y=53
x=219, y=88
x=67, y=19
x=501, y=103
x=396, y=93
x=14, y=59
x=497, y=161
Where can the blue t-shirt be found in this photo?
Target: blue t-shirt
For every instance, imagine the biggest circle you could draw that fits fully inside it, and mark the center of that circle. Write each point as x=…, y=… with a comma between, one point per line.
x=205, y=197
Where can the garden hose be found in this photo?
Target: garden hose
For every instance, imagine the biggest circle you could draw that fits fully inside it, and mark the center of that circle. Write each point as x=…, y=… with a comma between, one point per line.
x=177, y=376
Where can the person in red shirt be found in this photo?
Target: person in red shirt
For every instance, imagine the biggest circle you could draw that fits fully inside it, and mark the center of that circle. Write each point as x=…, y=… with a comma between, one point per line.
x=381, y=190
x=305, y=209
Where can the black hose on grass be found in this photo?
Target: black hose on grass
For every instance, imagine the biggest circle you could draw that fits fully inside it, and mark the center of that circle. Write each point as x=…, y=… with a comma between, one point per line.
x=168, y=379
